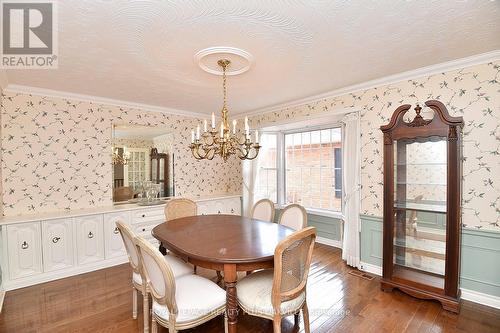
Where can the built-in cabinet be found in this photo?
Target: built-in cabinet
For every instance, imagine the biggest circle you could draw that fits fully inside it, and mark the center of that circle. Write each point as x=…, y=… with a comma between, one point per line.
x=113, y=246
x=35, y=251
x=89, y=239
x=25, y=250
x=57, y=244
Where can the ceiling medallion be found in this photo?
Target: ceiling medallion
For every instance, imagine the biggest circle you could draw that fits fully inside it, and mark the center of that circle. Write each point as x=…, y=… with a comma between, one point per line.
x=240, y=60
x=221, y=140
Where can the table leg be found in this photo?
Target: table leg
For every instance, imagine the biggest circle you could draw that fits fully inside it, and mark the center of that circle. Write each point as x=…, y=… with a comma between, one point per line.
x=230, y=278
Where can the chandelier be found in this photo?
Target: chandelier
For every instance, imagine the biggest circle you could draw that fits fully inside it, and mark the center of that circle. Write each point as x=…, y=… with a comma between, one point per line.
x=122, y=159
x=118, y=159
x=220, y=140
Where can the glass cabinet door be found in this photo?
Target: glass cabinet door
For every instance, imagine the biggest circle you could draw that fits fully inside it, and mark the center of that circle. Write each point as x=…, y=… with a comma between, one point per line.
x=419, y=244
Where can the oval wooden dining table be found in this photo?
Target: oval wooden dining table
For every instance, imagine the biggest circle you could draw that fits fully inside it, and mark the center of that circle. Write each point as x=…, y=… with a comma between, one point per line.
x=226, y=243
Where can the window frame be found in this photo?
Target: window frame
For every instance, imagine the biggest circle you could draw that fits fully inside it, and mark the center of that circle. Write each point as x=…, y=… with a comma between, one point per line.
x=281, y=172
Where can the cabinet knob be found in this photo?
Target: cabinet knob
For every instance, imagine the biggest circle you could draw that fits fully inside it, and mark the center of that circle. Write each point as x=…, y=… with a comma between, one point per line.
x=218, y=212
x=143, y=229
x=90, y=235
x=143, y=215
x=116, y=231
x=24, y=245
x=232, y=210
x=55, y=239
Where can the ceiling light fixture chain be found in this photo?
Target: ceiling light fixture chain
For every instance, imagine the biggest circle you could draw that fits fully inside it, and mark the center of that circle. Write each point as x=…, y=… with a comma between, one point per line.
x=224, y=142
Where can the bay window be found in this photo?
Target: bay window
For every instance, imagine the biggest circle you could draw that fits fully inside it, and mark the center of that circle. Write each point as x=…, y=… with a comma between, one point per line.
x=301, y=166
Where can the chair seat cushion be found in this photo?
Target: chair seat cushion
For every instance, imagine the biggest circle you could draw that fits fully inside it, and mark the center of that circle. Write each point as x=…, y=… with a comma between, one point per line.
x=196, y=298
x=178, y=266
x=254, y=295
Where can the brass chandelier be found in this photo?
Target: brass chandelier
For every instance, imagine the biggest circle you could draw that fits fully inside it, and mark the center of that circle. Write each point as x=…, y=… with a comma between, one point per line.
x=220, y=140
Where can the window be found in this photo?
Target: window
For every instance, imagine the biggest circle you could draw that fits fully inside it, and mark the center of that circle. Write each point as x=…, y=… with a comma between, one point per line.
x=267, y=170
x=303, y=167
x=313, y=169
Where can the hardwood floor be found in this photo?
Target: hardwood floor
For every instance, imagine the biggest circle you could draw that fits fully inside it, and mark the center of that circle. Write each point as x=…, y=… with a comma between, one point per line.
x=101, y=301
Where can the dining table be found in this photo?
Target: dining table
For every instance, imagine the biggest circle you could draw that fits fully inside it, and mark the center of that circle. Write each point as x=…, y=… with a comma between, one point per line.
x=226, y=243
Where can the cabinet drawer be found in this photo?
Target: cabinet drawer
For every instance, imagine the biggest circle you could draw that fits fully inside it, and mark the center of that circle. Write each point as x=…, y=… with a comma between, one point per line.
x=145, y=228
x=144, y=215
x=113, y=242
x=57, y=244
x=89, y=239
x=25, y=249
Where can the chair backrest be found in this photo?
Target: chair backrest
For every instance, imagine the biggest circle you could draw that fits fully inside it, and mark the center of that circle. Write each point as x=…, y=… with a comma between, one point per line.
x=158, y=274
x=294, y=216
x=123, y=193
x=263, y=210
x=128, y=239
x=292, y=259
x=177, y=208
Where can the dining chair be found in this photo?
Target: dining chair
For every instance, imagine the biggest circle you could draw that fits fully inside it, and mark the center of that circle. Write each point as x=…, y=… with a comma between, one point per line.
x=294, y=216
x=123, y=193
x=263, y=210
x=179, y=268
x=178, y=303
x=180, y=207
x=274, y=294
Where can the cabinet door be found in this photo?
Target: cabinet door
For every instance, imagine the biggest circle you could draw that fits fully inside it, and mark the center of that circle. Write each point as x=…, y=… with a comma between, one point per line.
x=57, y=244
x=113, y=243
x=233, y=206
x=89, y=239
x=25, y=252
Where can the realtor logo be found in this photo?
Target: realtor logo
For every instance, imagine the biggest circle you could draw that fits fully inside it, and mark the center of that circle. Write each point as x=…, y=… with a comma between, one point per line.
x=29, y=39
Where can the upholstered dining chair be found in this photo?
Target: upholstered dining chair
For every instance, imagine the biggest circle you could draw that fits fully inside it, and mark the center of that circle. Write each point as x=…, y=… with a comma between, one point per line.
x=178, y=303
x=274, y=294
x=263, y=210
x=180, y=207
x=179, y=268
x=294, y=216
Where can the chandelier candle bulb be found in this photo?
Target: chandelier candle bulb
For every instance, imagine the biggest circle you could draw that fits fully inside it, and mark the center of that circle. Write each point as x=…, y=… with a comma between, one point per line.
x=234, y=126
x=204, y=126
x=213, y=120
x=256, y=136
x=198, y=132
x=192, y=136
x=221, y=130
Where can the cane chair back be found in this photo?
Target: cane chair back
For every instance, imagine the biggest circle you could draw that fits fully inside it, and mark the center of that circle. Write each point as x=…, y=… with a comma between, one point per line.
x=177, y=208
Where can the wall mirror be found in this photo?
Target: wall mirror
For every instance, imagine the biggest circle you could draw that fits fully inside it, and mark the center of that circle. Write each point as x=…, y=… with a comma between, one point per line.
x=143, y=162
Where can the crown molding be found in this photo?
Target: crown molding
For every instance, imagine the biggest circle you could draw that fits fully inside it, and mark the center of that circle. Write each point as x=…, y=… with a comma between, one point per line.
x=15, y=88
x=403, y=76
x=3, y=79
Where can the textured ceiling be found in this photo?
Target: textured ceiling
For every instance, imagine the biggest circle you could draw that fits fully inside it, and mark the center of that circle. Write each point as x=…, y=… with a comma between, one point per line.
x=142, y=51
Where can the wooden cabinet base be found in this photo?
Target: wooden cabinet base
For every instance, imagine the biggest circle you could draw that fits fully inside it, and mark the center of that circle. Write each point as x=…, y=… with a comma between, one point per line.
x=448, y=303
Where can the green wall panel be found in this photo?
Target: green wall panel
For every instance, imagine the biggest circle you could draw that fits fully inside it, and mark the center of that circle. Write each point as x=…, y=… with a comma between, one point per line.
x=480, y=262
x=327, y=227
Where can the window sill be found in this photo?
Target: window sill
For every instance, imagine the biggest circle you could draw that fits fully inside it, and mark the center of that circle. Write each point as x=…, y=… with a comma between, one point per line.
x=319, y=212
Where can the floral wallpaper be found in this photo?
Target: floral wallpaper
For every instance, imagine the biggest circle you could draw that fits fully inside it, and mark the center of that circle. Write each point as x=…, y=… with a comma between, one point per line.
x=133, y=143
x=472, y=92
x=56, y=154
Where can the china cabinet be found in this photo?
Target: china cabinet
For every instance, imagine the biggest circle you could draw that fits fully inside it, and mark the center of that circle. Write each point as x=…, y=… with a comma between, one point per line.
x=159, y=171
x=422, y=200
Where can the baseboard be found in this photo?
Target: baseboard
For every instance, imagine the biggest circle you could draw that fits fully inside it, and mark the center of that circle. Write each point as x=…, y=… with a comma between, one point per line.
x=329, y=242
x=477, y=297
x=56, y=275
x=2, y=297
x=369, y=268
